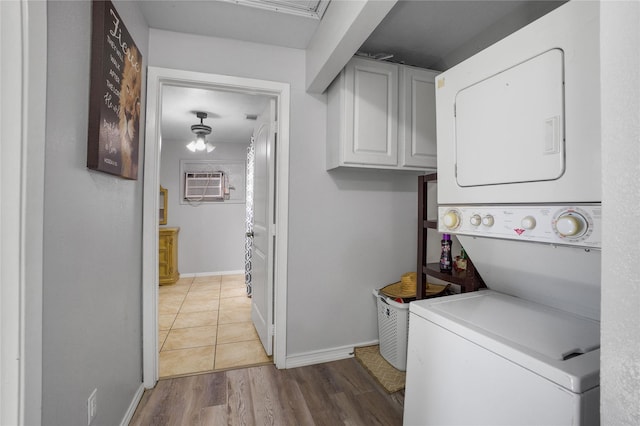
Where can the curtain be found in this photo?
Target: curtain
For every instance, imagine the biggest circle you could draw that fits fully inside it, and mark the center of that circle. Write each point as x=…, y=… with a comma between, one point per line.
x=248, y=243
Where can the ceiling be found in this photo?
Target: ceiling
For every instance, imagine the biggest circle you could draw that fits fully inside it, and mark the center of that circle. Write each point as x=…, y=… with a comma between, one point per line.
x=226, y=114
x=230, y=20
x=424, y=33
x=420, y=33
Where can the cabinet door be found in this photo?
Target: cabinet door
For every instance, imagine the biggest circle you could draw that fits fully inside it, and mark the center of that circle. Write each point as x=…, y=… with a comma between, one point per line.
x=164, y=257
x=371, y=107
x=168, y=256
x=417, y=118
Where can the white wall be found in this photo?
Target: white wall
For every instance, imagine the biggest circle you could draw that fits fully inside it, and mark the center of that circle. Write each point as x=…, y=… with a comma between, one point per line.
x=92, y=306
x=212, y=235
x=350, y=231
x=620, y=330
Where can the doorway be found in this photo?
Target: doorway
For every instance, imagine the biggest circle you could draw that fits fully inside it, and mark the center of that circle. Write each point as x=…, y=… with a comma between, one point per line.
x=158, y=78
x=205, y=317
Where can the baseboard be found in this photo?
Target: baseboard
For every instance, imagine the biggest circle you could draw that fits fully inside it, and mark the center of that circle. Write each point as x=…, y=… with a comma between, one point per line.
x=325, y=355
x=132, y=407
x=207, y=274
x=370, y=343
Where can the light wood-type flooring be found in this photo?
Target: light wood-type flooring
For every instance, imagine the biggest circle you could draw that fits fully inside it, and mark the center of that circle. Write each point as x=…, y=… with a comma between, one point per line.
x=335, y=393
x=205, y=325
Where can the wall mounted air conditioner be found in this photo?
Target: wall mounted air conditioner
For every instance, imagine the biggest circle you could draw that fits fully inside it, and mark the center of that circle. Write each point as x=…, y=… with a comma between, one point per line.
x=204, y=186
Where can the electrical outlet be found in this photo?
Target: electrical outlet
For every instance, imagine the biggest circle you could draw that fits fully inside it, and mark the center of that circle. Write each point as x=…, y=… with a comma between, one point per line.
x=92, y=406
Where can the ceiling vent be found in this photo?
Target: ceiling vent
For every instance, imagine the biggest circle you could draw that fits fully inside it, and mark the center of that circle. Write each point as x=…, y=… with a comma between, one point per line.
x=308, y=8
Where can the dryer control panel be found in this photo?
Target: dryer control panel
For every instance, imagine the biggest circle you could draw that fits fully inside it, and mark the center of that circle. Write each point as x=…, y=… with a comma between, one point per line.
x=574, y=225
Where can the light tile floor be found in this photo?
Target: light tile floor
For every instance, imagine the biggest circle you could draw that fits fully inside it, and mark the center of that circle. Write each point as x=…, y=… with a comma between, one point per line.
x=205, y=325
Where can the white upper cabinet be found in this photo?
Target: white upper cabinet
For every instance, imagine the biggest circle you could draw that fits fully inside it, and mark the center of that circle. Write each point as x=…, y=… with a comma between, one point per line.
x=381, y=115
x=417, y=129
x=363, y=116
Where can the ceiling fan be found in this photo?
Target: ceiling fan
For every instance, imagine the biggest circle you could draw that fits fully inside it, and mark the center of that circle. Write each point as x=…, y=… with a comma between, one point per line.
x=201, y=131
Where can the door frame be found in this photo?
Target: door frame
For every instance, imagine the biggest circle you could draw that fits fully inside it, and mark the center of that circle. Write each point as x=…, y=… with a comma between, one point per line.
x=23, y=84
x=157, y=79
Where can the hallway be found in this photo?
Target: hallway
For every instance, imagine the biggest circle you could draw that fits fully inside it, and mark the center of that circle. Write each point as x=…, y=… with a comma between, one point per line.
x=205, y=325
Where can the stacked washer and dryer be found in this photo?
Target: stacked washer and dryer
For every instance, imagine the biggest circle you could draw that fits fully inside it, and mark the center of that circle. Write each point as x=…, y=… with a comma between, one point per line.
x=519, y=185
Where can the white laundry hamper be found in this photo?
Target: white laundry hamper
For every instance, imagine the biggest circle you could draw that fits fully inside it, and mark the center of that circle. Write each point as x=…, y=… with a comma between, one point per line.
x=393, y=330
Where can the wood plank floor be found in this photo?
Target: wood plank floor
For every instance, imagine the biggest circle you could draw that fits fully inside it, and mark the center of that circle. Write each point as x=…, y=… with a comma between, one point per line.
x=335, y=393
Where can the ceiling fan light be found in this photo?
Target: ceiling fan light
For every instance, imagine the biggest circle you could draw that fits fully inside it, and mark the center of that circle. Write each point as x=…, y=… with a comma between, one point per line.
x=201, y=131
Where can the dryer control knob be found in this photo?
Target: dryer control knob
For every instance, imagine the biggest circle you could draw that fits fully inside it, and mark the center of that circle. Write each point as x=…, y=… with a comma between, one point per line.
x=488, y=220
x=571, y=224
x=528, y=222
x=475, y=220
x=451, y=219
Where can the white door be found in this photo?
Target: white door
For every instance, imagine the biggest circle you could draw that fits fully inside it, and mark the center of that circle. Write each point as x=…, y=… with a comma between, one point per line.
x=263, y=226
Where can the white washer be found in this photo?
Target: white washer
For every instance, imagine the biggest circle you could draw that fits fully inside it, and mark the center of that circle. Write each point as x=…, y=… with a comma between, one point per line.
x=488, y=358
x=527, y=351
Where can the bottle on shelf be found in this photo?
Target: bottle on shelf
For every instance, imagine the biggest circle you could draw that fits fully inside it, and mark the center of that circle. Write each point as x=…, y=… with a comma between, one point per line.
x=460, y=262
x=446, y=261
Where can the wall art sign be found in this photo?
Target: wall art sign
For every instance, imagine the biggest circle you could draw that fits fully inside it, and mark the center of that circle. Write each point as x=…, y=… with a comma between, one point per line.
x=114, y=99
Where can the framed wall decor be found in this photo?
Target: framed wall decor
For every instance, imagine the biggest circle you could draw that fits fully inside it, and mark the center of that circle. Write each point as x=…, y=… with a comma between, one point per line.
x=114, y=98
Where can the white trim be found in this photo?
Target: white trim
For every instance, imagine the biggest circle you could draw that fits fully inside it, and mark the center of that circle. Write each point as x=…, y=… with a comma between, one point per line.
x=150, y=235
x=11, y=284
x=23, y=54
x=156, y=79
x=288, y=7
x=132, y=407
x=324, y=355
x=282, y=230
